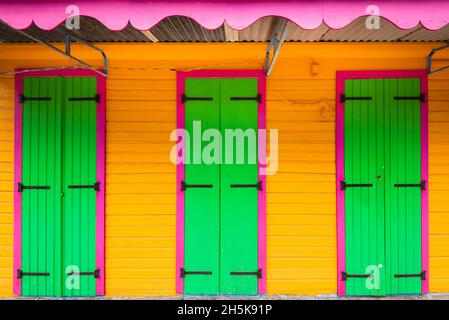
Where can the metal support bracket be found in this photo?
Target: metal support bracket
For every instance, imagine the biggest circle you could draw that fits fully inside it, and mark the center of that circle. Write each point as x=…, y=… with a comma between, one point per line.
x=430, y=60
x=280, y=33
x=67, y=51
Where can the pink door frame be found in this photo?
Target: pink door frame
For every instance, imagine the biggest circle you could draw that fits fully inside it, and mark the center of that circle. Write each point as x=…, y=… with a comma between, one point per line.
x=180, y=82
x=101, y=140
x=341, y=246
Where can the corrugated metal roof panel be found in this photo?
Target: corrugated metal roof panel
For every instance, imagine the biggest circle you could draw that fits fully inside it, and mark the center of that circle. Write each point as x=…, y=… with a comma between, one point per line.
x=260, y=31
x=94, y=31
x=358, y=31
x=90, y=30
x=427, y=35
x=295, y=33
x=183, y=29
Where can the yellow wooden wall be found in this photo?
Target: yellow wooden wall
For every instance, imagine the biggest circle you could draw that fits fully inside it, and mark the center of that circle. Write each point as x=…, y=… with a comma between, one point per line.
x=141, y=112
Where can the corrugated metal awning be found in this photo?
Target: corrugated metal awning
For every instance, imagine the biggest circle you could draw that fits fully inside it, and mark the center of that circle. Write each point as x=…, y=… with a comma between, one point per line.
x=222, y=21
x=183, y=29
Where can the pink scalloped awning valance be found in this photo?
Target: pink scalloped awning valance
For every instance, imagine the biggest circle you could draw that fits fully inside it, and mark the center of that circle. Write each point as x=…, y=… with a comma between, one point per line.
x=144, y=14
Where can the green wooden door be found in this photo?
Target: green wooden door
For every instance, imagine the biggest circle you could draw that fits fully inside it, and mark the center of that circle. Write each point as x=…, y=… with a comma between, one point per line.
x=382, y=219
x=79, y=172
x=220, y=215
x=58, y=150
x=202, y=201
x=403, y=204
x=41, y=170
x=239, y=206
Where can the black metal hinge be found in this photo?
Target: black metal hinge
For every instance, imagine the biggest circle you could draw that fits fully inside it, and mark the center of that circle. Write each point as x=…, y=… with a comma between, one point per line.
x=21, y=274
x=95, y=98
x=344, y=98
x=258, y=273
x=96, y=273
x=421, y=185
x=257, y=185
x=184, y=186
x=95, y=186
x=21, y=187
x=345, y=276
x=421, y=98
x=344, y=185
x=257, y=98
x=184, y=98
x=22, y=99
x=421, y=275
x=183, y=273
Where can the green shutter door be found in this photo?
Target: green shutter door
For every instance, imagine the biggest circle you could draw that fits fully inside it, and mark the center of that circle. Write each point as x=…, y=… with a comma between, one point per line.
x=239, y=205
x=59, y=149
x=403, y=204
x=220, y=221
x=383, y=222
x=41, y=208
x=79, y=169
x=201, y=217
x=365, y=241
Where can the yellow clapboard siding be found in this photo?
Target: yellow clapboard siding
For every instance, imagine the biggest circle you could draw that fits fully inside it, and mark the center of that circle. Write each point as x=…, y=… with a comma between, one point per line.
x=295, y=210
x=310, y=218
x=141, y=190
x=300, y=262
x=157, y=230
x=128, y=219
x=139, y=199
x=293, y=241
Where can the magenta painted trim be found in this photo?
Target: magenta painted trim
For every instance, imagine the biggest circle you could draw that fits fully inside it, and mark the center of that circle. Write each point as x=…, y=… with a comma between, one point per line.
x=101, y=177
x=211, y=14
x=340, y=155
x=101, y=122
x=17, y=254
x=341, y=246
x=261, y=87
x=425, y=177
x=180, y=174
